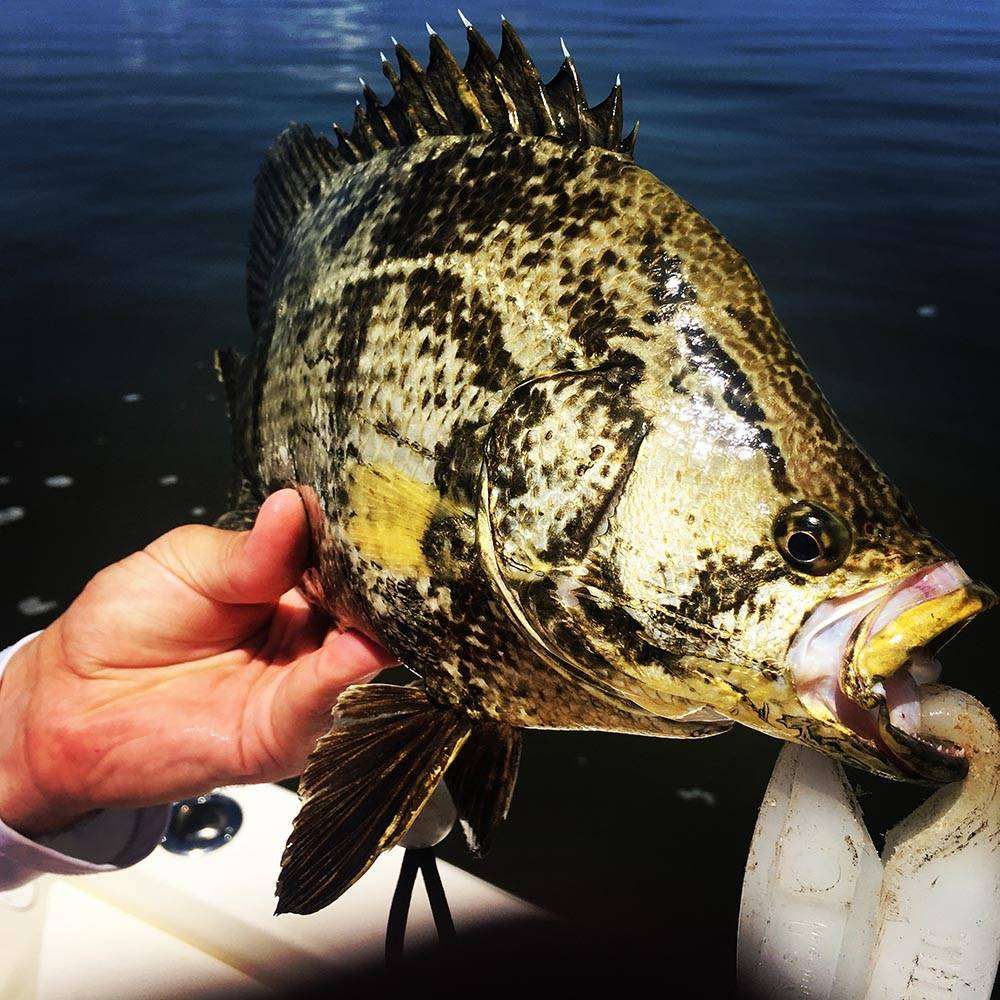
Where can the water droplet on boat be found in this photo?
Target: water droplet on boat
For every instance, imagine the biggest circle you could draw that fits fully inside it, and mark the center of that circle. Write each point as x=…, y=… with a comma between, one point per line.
x=59, y=482
x=132, y=397
x=169, y=480
x=927, y=312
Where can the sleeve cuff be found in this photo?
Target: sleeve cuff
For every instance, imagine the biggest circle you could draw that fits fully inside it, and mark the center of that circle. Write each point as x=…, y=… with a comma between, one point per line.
x=101, y=842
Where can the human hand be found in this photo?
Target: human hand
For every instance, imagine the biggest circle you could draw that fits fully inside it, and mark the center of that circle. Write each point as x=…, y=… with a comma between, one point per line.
x=191, y=664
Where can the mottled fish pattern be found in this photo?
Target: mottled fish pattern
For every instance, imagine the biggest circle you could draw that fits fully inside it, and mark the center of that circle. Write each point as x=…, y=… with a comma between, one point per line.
x=543, y=418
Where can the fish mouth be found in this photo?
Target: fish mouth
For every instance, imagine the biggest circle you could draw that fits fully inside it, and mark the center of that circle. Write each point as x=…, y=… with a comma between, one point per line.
x=859, y=662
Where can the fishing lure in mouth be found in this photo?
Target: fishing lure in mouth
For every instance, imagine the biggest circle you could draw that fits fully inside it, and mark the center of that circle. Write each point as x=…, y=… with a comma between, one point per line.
x=560, y=457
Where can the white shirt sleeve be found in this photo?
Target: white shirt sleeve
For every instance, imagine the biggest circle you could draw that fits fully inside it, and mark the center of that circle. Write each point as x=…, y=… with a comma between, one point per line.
x=101, y=842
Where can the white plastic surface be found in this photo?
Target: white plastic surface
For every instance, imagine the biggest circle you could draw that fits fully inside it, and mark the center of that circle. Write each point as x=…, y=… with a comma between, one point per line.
x=822, y=918
x=811, y=886
x=938, y=930
x=92, y=949
x=173, y=921
x=434, y=822
x=22, y=921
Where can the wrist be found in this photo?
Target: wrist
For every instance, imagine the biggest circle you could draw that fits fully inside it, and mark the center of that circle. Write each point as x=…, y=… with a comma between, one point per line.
x=24, y=805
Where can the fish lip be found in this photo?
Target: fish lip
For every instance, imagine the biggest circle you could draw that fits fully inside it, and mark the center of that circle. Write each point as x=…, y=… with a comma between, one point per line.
x=878, y=649
x=918, y=757
x=887, y=628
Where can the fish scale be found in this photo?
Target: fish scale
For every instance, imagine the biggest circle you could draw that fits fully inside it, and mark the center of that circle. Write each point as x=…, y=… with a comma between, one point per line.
x=545, y=426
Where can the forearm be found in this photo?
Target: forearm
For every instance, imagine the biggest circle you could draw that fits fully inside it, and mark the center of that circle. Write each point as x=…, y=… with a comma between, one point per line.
x=19, y=808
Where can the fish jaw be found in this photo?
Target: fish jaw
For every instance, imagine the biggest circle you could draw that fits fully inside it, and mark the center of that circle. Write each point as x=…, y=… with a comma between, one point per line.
x=858, y=663
x=914, y=612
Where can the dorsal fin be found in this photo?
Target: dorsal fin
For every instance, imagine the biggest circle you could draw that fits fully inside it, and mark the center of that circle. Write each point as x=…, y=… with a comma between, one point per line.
x=520, y=78
x=292, y=176
x=489, y=94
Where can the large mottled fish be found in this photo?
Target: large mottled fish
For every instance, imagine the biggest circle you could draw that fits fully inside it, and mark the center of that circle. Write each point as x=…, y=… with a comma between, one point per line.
x=560, y=457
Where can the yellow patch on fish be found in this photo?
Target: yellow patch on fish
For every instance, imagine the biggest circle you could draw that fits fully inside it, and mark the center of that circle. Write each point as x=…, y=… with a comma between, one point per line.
x=391, y=514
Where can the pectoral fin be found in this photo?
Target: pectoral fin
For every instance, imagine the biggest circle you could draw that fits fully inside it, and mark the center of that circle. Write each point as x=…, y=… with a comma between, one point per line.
x=557, y=457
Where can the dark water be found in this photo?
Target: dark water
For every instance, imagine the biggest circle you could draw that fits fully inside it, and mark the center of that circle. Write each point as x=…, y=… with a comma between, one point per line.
x=850, y=149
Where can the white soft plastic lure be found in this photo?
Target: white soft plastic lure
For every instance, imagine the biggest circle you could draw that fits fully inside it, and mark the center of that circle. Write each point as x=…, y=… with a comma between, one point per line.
x=823, y=916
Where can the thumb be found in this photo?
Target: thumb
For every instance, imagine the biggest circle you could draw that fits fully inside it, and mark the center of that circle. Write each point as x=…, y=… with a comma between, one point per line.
x=300, y=711
x=241, y=567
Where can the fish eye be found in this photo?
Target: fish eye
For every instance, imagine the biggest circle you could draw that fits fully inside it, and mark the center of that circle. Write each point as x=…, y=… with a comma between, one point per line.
x=811, y=538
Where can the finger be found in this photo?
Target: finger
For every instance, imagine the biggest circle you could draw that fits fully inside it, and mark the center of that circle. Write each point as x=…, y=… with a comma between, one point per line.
x=241, y=567
x=192, y=593
x=302, y=704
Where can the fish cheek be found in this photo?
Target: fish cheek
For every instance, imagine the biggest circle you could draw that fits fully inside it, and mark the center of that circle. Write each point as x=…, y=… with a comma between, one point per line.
x=557, y=457
x=692, y=544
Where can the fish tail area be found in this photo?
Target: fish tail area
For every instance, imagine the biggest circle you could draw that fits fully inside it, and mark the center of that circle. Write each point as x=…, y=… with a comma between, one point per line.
x=295, y=173
x=481, y=781
x=363, y=786
x=230, y=366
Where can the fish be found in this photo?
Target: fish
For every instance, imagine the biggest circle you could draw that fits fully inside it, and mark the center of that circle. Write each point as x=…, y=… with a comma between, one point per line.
x=560, y=457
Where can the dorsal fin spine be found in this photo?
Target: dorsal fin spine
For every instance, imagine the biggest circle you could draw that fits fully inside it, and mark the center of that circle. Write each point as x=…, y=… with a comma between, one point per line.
x=522, y=81
x=607, y=117
x=489, y=94
x=346, y=146
x=480, y=71
x=454, y=94
x=416, y=93
x=364, y=135
x=628, y=143
x=379, y=120
x=399, y=110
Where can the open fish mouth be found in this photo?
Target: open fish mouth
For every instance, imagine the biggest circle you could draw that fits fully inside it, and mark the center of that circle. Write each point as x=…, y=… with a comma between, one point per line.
x=859, y=662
